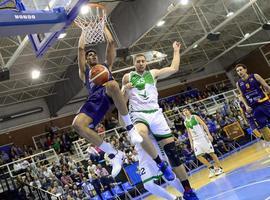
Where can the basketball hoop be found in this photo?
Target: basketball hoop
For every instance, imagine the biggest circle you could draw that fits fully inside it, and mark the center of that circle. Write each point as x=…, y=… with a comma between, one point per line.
x=92, y=20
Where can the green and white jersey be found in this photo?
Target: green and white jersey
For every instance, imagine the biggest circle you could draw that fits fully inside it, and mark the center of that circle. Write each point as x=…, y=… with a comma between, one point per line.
x=197, y=131
x=143, y=96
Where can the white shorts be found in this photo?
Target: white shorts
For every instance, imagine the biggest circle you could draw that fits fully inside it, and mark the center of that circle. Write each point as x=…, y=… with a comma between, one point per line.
x=203, y=146
x=155, y=121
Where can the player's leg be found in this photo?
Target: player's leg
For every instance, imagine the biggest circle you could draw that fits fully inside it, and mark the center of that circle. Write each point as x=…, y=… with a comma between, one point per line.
x=158, y=190
x=88, y=116
x=113, y=91
x=218, y=169
x=176, y=184
x=148, y=146
x=163, y=135
x=253, y=127
x=262, y=116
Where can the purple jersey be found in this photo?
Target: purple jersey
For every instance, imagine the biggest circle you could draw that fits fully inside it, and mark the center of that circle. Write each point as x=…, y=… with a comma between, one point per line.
x=252, y=91
x=98, y=102
x=92, y=87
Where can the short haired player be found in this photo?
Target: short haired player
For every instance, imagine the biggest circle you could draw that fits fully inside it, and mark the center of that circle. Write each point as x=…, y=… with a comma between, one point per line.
x=101, y=98
x=139, y=87
x=253, y=89
x=201, y=141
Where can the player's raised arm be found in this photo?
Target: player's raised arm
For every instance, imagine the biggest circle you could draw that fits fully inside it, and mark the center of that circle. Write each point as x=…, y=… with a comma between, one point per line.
x=262, y=82
x=167, y=71
x=125, y=86
x=110, y=49
x=81, y=57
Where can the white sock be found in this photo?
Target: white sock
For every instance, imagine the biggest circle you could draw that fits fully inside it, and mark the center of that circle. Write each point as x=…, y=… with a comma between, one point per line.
x=158, y=190
x=177, y=185
x=126, y=119
x=107, y=148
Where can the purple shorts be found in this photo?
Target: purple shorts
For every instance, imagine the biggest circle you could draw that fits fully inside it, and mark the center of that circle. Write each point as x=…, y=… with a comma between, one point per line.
x=97, y=106
x=261, y=114
x=253, y=125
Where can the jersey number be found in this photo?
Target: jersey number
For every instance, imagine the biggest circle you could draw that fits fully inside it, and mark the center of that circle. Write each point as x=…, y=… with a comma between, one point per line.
x=142, y=171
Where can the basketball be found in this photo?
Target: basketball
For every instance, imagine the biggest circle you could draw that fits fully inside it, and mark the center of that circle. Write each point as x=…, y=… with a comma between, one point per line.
x=99, y=74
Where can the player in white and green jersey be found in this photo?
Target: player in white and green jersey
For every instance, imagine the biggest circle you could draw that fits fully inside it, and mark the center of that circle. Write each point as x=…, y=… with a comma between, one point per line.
x=201, y=141
x=139, y=87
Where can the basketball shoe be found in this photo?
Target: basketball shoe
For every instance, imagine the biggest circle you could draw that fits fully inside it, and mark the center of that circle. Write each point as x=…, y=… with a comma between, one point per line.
x=166, y=170
x=117, y=162
x=190, y=195
x=218, y=171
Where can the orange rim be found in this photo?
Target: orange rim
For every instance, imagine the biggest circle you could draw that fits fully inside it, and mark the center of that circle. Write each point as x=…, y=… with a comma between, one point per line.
x=94, y=5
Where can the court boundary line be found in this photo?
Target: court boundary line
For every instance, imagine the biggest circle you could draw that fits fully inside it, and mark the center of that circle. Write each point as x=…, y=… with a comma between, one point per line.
x=240, y=187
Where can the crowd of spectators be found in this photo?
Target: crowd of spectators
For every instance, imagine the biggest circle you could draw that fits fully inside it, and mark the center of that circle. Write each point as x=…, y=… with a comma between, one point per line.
x=191, y=95
x=81, y=181
x=14, y=152
x=66, y=178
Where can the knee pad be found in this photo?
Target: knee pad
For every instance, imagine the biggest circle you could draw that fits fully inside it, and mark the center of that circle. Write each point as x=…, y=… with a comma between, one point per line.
x=173, y=154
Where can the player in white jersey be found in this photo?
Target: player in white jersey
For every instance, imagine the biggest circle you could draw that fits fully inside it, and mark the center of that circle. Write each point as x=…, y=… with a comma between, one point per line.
x=139, y=87
x=149, y=172
x=201, y=142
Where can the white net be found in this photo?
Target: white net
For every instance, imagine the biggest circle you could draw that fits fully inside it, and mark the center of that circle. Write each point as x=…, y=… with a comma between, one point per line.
x=92, y=20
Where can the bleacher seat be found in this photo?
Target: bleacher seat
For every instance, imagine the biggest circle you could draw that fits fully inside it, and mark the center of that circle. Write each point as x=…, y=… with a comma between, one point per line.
x=107, y=195
x=117, y=191
x=96, y=198
x=127, y=186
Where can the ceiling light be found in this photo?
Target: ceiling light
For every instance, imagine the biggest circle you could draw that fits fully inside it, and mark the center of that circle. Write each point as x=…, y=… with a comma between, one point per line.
x=229, y=14
x=246, y=35
x=160, y=23
x=266, y=26
x=62, y=35
x=84, y=9
x=184, y=2
x=195, y=46
x=35, y=74
x=213, y=36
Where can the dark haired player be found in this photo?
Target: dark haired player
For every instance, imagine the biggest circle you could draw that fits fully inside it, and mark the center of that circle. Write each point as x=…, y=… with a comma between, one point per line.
x=101, y=98
x=253, y=90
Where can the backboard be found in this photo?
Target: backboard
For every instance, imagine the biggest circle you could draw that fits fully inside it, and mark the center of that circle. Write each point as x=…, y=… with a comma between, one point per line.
x=42, y=20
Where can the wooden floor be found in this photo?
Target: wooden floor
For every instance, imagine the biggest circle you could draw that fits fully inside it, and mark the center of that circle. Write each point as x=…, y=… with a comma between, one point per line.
x=239, y=159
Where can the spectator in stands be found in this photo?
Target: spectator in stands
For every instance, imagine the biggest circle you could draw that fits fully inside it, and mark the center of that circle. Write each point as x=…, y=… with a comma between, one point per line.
x=52, y=129
x=91, y=167
x=4, y=157
x=88, y=188
x=59, y=189
x=56, y=144
x=66, y=179
x=100, y=129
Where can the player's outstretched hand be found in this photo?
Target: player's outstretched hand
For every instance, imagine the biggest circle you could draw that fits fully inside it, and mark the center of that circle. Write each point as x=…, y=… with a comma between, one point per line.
x=128, y=86
x=176, y=46
x=82, y=40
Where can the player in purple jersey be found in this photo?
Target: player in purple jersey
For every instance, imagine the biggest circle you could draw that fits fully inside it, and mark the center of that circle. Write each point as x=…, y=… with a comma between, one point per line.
x=100, y=99
x=249, y=119
x=253, y=89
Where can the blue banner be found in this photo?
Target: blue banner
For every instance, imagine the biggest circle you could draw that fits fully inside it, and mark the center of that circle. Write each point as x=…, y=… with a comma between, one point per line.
x=133, y=173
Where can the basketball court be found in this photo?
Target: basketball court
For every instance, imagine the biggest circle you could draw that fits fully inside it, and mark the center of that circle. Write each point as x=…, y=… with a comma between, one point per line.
x=39, y=79
x=246, y=179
